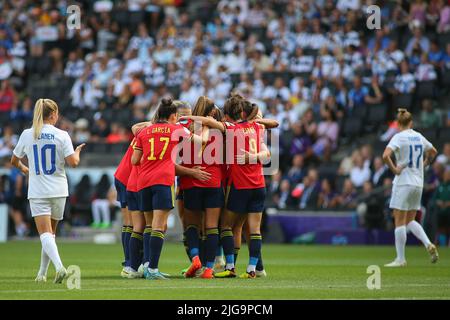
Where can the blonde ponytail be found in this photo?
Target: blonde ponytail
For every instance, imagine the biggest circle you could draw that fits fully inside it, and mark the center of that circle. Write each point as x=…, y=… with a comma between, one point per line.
x=404, y=117
x=42, y=110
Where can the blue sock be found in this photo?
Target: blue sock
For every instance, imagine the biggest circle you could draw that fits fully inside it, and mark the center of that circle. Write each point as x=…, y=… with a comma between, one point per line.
x=212, y=241
x=128, y=232
x=226, y=238
x=203, y=250
x=192, y=240
x=136, y=250
x=186, y=247
x=156, y=244
x=260, y=265
x=147, y=233
x=442, y=240
x=254, y=251
x=236, y=253
x=124, y=231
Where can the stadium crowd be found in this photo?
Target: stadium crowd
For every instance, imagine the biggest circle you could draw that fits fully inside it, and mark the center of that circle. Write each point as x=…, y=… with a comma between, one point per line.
x=313, y=66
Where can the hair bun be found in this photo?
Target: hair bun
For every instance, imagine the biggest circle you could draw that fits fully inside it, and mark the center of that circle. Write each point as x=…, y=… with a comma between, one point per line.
x=166, y=101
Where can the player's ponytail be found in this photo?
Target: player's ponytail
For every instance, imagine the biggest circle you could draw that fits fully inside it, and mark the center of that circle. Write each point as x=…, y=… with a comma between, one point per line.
x=42, y=111
x=166, y=109
x=404, y=117
x=250, y=110
x=233, y=107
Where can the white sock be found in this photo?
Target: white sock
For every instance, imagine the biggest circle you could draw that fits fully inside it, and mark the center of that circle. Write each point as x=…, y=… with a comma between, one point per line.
x=251, y=268
x=50, y=248
x=104, y=209
x=229, y=266
x=418, y=231
x=45, y=261
x=95, y=211
x=152, y=270
x=400, y=242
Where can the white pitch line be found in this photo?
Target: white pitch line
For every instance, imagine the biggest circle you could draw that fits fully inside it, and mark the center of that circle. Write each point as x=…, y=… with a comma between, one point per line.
x=222, y=287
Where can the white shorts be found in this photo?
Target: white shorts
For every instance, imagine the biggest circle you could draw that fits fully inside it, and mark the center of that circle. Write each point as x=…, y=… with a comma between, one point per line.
x=53, y=207
x=405, y=197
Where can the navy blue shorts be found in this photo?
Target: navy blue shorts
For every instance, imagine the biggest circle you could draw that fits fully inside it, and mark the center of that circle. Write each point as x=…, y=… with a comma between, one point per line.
x=203, y=198
x=121, y=193
x=246, y=200
x=133, y=201
x=157, y=197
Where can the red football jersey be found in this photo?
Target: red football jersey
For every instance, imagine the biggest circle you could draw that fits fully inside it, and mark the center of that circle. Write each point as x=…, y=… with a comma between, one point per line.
x=210, y=157
x=185, y=182
x=247, y=136
x=157, y=142
x=132, y=184
x=123, y=170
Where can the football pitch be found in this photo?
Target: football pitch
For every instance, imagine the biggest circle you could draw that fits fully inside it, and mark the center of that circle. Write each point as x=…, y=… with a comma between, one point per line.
x=294, y=272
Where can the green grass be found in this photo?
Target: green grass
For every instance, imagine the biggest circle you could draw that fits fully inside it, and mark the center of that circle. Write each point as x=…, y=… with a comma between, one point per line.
x=295, y=272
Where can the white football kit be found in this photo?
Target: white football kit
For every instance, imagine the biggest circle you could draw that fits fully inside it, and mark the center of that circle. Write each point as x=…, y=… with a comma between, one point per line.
x=409, y=148
x=47, y=185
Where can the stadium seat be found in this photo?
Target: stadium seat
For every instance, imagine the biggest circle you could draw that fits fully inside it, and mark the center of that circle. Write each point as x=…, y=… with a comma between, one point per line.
x=403, y=101
x=118, y=148
x=360, y=111
x=430, y=133
x=377, y=113
x=444, y=134
x=72, y=113
x=425, y=89
x=100, y=147
x=352, y=127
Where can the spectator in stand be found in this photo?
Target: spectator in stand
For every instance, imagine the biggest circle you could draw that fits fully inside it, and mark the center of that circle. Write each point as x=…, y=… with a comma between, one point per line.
x=326, y=198
x=444, y=157
x=444, y=19
x=442, y=203
x=404, y=82
x=357, y=94
x=101, y=212
x=17, y=199
x=374, y=95
x=425, y=70
x=418, y=40
x=430, y=117
x=75, y=65
x=326, y=135
x=347, y=198
x=297, y=171
x=118, y=134
x=359, y=173
x=380, y=172
x=436, y=55
x=100, y=130
x=7, y=96
x=82, y=133
x=7, y=142
x=310, y=188
x=301, y=142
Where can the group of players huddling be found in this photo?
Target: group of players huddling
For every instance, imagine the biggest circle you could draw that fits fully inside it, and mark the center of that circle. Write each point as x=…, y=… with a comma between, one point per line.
x=218, y=156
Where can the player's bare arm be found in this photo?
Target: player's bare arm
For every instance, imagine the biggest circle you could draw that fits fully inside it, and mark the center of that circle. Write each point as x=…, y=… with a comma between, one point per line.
x=387, y=158
x=74, y=159
x=16, y=162
x=139, y=126
x=206, y=121
x=196, y=172
x=267, y=123
x=429, y=156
